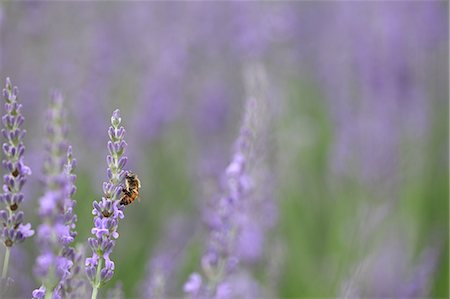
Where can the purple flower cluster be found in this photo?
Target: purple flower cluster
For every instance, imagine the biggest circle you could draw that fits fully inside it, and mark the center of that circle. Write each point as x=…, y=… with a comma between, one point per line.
x=58, y=263
x=380, y=68
x=236, y=230
x=220, y=258
x=108, y=211
x=71, y=285
x=11, y=218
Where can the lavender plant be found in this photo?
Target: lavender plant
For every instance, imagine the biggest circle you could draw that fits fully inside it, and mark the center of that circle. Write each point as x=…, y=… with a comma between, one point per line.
x=233, y=217
x=107, y=212
x=58, y=263
x=220, y=259
x=11, y=217
x=72, y=285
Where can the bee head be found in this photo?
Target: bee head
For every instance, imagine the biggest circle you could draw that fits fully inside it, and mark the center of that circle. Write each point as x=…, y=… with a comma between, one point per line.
x=130, y=175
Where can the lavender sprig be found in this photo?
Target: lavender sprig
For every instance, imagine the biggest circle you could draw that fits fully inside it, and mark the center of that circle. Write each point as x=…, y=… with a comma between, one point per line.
x=99, y=267
x=71, y=285
x=228, y=218
x=58, y=262
x=220, y=258
x=11, y=218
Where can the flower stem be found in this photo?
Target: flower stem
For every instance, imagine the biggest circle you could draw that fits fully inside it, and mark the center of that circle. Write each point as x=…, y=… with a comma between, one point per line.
x=48, y=295
x=6, y=263
x=97, y=279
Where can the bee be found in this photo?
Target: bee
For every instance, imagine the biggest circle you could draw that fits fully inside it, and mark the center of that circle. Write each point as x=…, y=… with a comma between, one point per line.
x=131, y=190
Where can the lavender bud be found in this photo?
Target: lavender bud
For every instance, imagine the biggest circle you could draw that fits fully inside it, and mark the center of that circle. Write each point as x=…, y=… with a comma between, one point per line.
x=39, y=293
x=115, y=119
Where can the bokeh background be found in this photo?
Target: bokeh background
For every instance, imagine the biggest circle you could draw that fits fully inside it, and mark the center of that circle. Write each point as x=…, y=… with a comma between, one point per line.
x=355, y=159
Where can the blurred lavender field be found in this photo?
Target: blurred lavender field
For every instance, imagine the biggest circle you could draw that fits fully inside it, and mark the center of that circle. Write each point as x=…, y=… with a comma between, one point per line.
x=328, y=121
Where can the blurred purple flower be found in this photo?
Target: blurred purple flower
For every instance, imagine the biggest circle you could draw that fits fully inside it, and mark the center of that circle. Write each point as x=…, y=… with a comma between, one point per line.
x=108, y=211
x=232, y=238
x=193, y=284
x=370, y=75
x=219, y=259
x=58, y=264
x=259, y=211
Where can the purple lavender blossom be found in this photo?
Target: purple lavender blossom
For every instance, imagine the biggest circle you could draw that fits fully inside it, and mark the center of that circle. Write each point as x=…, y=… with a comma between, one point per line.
x=381, y=69
x=39, y=293
x=11, y=218
x=107, y=212
x=220, y=259
x=72, y=285
x=234, y=230
x=260, y=210
x=58, y=263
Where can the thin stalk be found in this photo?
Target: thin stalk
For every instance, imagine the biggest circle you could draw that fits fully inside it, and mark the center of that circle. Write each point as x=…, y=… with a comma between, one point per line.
x=48, y=295
x=6, y=262
x=97, y=279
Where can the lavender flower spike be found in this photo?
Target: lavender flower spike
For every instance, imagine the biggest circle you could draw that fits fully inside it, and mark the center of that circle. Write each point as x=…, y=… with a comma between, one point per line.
x=107, y=212
x=13, y=230
x=58, y=262
x=220, y=259
x=230, y=210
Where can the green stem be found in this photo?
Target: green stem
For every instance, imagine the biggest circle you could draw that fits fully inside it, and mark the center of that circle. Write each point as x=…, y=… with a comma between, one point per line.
x=6, y=263
x=48, y=295
x=94, y=292
x=97, y=279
